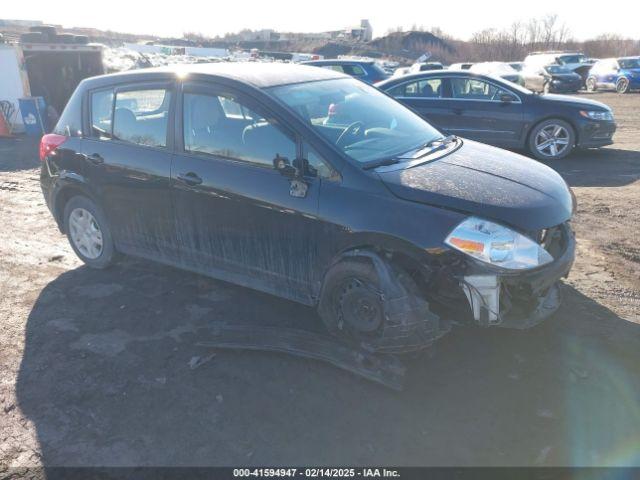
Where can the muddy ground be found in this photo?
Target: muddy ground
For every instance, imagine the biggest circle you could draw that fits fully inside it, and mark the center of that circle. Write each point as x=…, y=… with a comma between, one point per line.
x=94, y=365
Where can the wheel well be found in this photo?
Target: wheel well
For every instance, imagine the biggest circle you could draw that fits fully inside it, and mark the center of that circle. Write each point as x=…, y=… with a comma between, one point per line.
x=417, y=269
x=62, y=198
x=553, y=117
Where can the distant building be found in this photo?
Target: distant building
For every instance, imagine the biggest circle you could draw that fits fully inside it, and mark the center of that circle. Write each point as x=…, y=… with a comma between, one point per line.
x=359, y=33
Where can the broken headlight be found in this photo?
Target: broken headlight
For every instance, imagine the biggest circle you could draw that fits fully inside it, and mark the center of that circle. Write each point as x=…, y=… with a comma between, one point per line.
x=497, y=245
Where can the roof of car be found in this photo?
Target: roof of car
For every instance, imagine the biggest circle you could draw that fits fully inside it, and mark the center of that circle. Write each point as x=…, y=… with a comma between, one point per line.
x=258, y=74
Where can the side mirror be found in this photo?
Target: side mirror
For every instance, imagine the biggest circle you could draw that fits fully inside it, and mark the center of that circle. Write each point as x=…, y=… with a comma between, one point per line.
x=282, y=165
x=507, y=98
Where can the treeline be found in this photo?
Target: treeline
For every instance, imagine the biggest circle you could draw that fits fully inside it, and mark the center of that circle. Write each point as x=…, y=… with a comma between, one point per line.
x=514, y=43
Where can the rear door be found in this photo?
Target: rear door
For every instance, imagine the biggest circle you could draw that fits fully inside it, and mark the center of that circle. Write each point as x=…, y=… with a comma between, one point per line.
x=237, y=217
x=427, y=98
x=128, y=163
x=478, y=112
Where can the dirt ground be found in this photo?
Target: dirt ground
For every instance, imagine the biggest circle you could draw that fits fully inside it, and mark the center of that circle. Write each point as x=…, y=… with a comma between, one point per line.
x=94, y=365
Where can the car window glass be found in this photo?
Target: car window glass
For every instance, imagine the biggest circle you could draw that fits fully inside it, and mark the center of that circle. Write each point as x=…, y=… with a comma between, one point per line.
x=317, y=166
x=336, y=68
x=222, y=126
x=141, y=117
x=353, y=70
x=101, y=111
x=473, y=89
x=431, y=88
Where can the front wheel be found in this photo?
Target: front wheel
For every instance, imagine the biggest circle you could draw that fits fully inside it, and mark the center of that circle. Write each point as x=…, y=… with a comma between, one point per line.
x=552, y=140
x=355, y=307
x=88, y=232
x=622, y=85
x=591, y=85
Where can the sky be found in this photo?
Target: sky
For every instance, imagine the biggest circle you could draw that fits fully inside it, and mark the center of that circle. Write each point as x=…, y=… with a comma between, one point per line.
x=165, y=18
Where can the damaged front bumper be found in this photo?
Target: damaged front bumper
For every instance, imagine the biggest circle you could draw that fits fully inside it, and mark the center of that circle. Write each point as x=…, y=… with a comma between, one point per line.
x=519, y=299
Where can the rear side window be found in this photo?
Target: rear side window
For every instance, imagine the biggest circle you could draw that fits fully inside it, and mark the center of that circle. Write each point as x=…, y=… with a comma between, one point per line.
x=431, y=88
x=70, y=122
x=223, y=126
x=353, y=70
x=141, y=117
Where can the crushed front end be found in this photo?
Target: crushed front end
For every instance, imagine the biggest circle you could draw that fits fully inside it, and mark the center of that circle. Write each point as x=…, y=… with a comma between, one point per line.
x=494, y=296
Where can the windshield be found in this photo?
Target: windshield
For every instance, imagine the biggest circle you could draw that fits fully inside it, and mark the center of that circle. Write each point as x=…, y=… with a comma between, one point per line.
x=360, y=120
x=629, y=62
x=572, y=59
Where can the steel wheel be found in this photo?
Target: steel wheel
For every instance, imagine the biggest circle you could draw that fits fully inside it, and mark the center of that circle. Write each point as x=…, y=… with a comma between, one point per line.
x=552, y=140
x=360, y=307
x=85, y=233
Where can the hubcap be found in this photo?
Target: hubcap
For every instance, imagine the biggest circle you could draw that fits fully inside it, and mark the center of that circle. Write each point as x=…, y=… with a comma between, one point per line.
x=552, y=140
x=85, y=233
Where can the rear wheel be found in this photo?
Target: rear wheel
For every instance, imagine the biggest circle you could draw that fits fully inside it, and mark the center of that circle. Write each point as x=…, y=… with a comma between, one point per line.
x=552, y=139
x=591, y=84
x=622, y=85
x=88, y=232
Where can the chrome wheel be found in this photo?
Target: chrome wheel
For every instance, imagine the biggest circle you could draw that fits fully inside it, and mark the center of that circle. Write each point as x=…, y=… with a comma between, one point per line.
x=552, y=140
x=622, y=86
x=85, y=233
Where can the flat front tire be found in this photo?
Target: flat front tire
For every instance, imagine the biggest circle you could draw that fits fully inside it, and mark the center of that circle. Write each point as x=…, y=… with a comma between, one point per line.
x=352, y=307
x=88, y=232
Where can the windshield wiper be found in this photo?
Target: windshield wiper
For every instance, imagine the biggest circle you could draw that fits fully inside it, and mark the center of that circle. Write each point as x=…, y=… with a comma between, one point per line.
x=381, y=163
x=433, y=146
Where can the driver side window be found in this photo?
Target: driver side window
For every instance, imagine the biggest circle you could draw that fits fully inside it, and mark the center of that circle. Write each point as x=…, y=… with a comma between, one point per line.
x=223, y=126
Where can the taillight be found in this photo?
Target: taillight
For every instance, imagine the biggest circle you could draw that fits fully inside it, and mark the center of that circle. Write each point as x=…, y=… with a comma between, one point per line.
x=49, y=143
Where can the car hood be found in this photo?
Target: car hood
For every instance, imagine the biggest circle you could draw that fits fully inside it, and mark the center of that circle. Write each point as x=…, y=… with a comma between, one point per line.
x=566, y=76
x=573, y=101
x=487, y=182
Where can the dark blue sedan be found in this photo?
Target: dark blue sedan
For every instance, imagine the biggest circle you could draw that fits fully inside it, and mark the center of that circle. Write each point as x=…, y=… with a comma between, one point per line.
x=366, y=70
x=494, y=111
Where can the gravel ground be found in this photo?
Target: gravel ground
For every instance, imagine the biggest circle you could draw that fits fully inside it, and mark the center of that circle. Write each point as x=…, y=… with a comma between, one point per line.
x=94, y=365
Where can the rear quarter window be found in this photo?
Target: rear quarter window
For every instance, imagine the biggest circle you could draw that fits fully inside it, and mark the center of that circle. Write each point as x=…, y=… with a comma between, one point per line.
x=70, y=122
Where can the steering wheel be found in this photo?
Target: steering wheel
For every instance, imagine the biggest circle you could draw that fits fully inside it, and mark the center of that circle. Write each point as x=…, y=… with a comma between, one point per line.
x=356, y=129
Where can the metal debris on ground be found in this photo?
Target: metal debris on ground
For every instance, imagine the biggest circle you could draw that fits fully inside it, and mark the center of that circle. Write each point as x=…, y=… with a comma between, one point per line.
x=386, y=370
x=198, y=361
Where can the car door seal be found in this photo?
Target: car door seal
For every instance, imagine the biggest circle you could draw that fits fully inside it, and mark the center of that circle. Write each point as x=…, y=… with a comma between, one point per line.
x=384, y=369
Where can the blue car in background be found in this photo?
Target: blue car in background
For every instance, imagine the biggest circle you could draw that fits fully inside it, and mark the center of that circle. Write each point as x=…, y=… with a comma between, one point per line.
x=621, y=74
x=366, y=70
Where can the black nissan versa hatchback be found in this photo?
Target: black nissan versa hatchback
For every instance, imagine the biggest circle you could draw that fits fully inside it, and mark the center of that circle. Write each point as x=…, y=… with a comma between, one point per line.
x=310, y=185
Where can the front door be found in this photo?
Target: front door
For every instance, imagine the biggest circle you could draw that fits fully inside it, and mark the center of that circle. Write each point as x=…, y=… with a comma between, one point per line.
x=426, y=97
x=477, y=111
x=237, y=217
x=128, y=164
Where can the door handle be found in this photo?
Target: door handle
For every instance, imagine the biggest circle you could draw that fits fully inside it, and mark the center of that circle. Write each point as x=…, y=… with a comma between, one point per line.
x=457, y=111
x=95, y=158
x=189, y=178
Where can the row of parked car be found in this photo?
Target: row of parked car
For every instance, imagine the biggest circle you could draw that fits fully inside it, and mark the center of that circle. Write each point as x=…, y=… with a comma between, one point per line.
x=544, y=72
x=493, y=109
